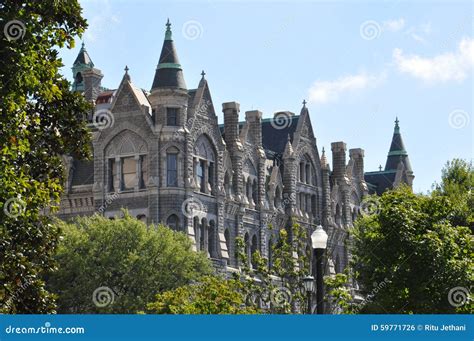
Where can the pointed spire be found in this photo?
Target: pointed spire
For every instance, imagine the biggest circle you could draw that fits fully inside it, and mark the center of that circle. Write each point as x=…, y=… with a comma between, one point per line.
x=397, y=152
x=324, y=160
x=169, y=73
x=83, y=57
x=288, y=153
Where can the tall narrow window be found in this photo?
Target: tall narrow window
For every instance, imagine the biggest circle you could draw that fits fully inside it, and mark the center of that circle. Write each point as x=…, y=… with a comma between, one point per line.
x=173, y=222
x=129, y=173
x=112, y=175
x=211, y=175
x=200, y=176
x=172, y=116
x=143, y=172
x=172, y=170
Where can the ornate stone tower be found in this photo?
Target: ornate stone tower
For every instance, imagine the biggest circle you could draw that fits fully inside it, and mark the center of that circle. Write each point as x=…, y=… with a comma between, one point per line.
x=169, y=95
x=87, y=79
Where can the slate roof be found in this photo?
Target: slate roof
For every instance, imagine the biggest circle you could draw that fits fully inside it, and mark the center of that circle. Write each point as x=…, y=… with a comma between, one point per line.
x=378, y=182
x=274, y=136
x=83, y=57
x=169, y=72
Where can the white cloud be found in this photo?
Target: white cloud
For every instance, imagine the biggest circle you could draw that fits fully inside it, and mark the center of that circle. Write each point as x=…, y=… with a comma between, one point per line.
x=394, y=25
x=444, y=67
x=328, y=91
x=100, y=18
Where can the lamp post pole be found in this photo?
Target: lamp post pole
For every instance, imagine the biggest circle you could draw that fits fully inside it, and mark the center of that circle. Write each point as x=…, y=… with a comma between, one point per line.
x=318, y=256
x=319, y=239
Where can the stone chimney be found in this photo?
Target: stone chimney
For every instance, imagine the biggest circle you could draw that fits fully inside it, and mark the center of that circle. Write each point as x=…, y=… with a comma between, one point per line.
x=338, y=159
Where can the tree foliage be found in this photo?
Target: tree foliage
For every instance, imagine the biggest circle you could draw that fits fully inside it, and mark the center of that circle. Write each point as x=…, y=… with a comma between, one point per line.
x=131, y=261
x=413, y=247
x=211, y=295
x=277, y=286
x=457, y=183
x=40, y=120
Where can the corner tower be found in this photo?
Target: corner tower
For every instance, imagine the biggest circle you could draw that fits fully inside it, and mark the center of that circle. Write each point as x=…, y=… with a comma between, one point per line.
x=169, y=95
x=87, y=79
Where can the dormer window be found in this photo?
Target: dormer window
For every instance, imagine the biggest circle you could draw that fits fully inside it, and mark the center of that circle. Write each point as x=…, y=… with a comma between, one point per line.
x=172, y=116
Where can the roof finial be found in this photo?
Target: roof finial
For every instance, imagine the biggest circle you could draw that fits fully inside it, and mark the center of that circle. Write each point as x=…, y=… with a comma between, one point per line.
x=83, y=45
x=168, y=30
x=324, y=151
x=380, y=168
x=203, y=73
x=126, y=75
x=304, y=103
x=397, y=127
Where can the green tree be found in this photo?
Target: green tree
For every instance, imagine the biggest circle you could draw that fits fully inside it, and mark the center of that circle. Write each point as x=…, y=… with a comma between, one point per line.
x=211, y=295
x=279, y=286
x=457, y=183
x=118, y=266
x=338, y=293
x=40, y=120
x=411, y=246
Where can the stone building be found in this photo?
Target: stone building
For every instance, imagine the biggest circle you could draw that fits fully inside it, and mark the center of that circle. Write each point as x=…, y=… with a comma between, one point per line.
x=163, y=155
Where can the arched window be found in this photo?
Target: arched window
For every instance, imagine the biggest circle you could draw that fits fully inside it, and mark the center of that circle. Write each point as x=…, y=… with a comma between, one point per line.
x=308, y=173
x=254, y=191
x=338, y=265
x=227, y=184
x=277, y=200
x=197, y=232
x=204, y=160
x=338, y=214
x=212, y=240
x=79, y=78
x=354, y=214
x=173, y=222
x=227, y=240
x=254, y=248
x=172, y=167
x=203, y=240
x=247, y=247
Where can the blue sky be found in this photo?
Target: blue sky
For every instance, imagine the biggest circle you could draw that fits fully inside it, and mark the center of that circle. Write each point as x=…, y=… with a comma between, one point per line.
x=359, y=64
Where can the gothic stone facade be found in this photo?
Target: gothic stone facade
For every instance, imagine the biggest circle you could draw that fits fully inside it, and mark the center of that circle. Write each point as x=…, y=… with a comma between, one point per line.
x=163, y=155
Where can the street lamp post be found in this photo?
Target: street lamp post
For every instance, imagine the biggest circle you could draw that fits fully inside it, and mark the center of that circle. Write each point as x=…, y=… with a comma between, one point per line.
x=308, y=283
x=319, y=240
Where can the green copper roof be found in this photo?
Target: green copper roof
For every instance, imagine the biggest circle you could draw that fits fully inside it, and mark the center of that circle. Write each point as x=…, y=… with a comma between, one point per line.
x=169, y=66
